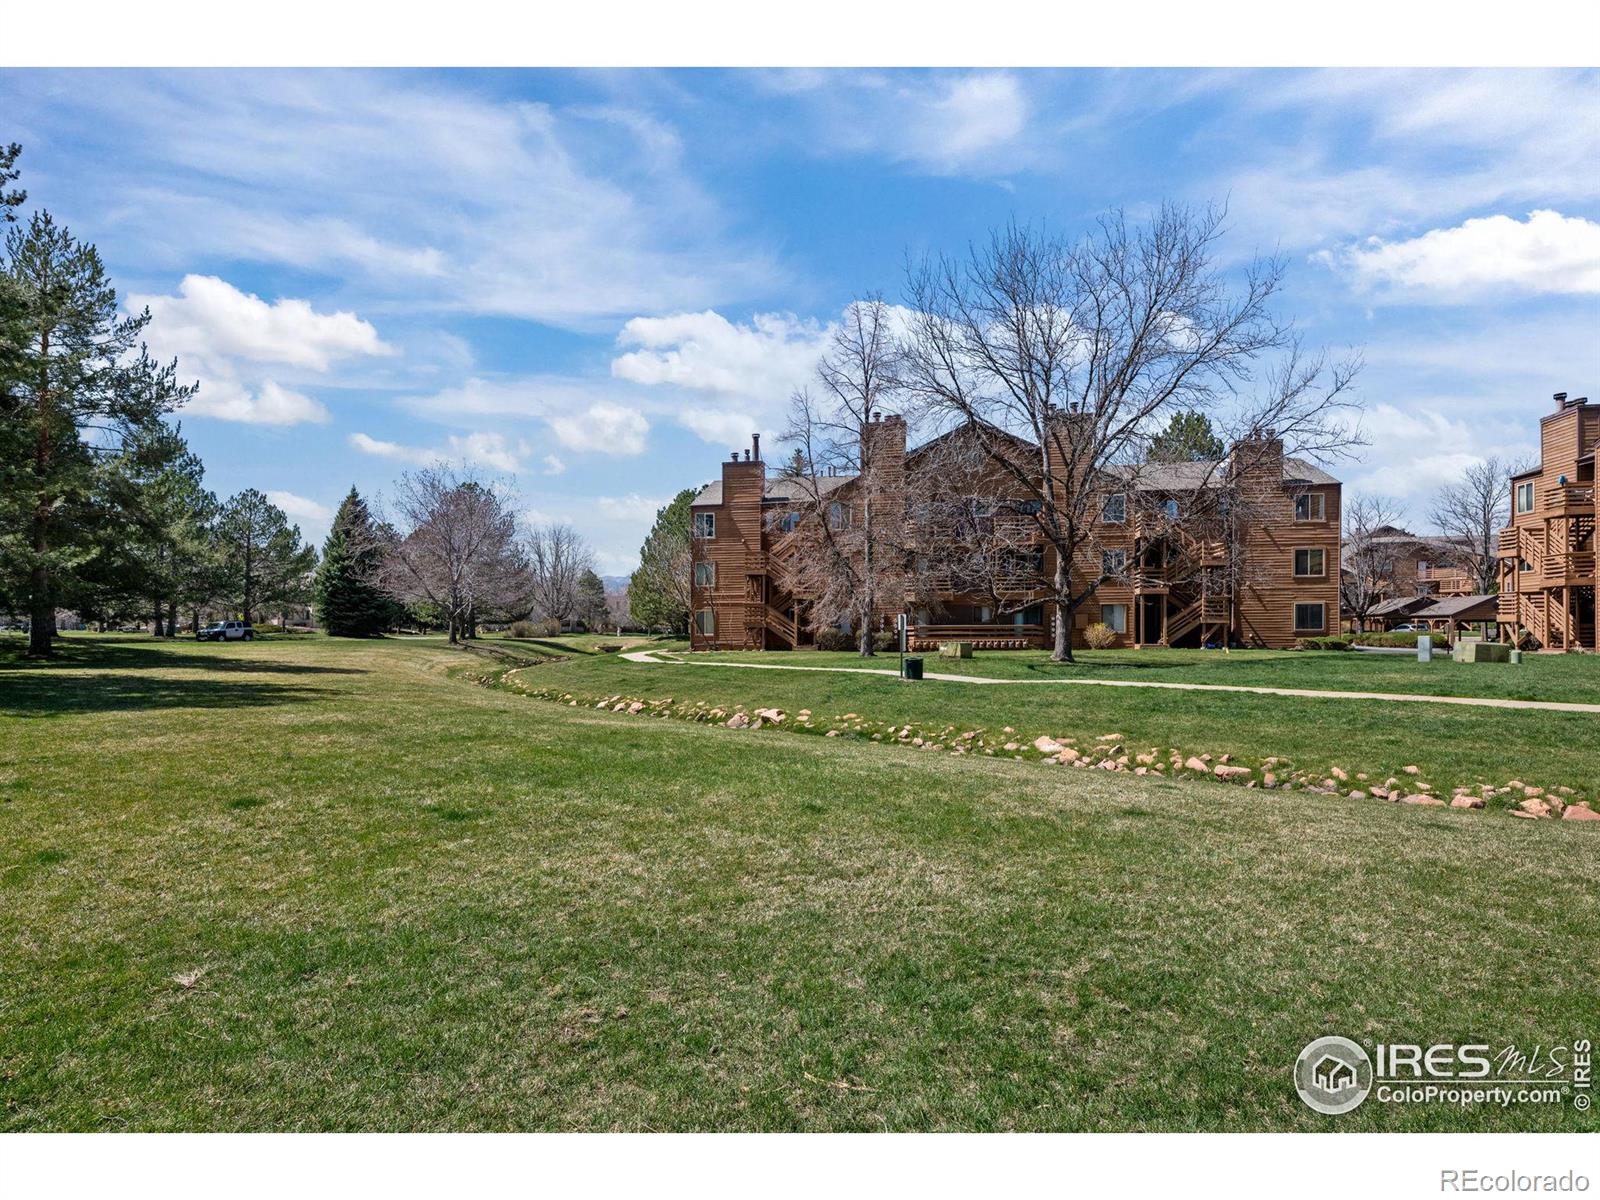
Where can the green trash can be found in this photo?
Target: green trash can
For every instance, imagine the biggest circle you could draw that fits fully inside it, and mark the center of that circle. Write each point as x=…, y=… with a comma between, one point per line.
x=913, y=668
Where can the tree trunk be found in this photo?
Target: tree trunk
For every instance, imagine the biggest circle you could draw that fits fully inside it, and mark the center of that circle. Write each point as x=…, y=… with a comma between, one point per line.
x=41, y=606
x=156, y=606
x=1065, y=611
x=172, y=618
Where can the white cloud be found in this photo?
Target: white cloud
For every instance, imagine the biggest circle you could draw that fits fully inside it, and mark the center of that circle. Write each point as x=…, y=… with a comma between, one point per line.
x=485, y=449
x=632, y=507
x=975, y=114
x=733, y=378
x=1547, y=253
x=945, y=122
x=553, y=465
x=226, y=399
x=392, y=450
x=300, y=507
x=489, y=449
x=211, y=318
x=602, y=427
x=583, y=416
x=725, y=380
x=237, y=344
x=1310, y=157
x=565, y=215
x=1412, y=453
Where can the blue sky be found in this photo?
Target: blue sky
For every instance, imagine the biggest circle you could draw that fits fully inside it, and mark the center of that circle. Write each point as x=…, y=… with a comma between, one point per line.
x=600, y=281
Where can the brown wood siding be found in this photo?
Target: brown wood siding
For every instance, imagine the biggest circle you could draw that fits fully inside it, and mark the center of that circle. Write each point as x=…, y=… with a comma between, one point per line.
x=735, y=548
x=1264, y=604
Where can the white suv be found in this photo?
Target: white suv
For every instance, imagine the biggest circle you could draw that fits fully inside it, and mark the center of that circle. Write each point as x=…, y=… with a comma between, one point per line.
x=227, y=631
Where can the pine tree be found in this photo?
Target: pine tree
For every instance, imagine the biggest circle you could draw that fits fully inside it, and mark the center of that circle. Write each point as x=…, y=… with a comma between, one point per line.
x=264, y=561
x=658, y=593
x=592, y=609
x=1188, y=437
x=349, y=601
x=75, y=385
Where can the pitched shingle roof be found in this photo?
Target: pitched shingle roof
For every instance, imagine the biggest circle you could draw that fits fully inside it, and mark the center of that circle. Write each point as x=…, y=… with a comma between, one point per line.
x=1460, y=606
x=778, y=489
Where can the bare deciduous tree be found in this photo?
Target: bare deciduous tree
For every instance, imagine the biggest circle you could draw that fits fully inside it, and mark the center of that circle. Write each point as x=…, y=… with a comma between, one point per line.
x=1371, y=559
x=851, y=562
x=459, y=550
x=1083, y=351
x=1472, y=512
x=557, y=559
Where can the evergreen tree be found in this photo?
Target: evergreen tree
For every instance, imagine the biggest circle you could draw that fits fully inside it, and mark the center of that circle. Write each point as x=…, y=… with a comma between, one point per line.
x=349, y=601
x=168, y=513
x=592, y=609
x=1188, y=437
x=658, y=592
x=75, y=385
x=264, y=563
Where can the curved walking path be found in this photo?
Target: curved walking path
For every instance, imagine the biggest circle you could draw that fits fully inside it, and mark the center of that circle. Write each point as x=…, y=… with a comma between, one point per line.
x=652, y=658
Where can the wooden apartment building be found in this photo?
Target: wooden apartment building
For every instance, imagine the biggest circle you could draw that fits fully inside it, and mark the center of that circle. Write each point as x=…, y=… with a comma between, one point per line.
x=1166, y=579
x=1547, y=552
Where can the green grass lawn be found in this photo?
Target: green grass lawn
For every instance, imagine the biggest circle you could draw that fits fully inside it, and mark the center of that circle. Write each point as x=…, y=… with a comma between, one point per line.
x=1452, y=745
x=316, y=884
x=1567, y=677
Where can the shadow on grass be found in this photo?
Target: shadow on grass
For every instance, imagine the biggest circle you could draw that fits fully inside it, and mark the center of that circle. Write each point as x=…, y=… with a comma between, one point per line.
x=137, y=655
x=560, y=648
x=42, y=694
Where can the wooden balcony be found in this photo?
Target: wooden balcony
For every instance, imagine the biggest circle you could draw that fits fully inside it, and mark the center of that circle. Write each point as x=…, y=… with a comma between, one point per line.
x=1568, y=500
x=1573, y=569
x=1446, y=581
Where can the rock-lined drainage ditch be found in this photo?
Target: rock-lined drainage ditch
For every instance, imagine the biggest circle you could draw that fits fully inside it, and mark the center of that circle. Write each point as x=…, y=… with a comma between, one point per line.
x=1110, y=752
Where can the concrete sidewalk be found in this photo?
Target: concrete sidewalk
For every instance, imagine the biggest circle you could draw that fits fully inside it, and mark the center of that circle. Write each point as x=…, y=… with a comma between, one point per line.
x=652, y=658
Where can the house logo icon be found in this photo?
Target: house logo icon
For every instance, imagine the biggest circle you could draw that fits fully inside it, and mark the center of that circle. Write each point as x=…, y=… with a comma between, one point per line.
x=1333, y=1075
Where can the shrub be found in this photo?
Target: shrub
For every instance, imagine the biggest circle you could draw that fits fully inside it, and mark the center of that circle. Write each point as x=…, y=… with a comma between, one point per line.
x=835, y=639
x=533, y=629
x=886, y=640
x=1322, y=643
x=1099, y=636
x=1380, y=638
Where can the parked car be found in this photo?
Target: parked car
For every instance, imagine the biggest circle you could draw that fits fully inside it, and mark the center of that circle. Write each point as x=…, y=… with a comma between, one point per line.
x=227, y=631
x=1410, y=627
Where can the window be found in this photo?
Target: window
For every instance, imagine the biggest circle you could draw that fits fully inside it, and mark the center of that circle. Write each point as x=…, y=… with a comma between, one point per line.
x=1308, y=564
x=705, y=574
x=1114, y=617
x=705, y=525
x=705, y=622
x=1113, y=562
x=1309, y=618
x=1116, y=510
x=1170, y=507
x=1028, y=508
x=1310, y=507
x=1525, y=497
x=838, y=515
x=1032, y=615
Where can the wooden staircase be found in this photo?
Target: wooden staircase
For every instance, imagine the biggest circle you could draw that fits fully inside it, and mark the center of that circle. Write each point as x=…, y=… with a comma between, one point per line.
x=767, y=596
